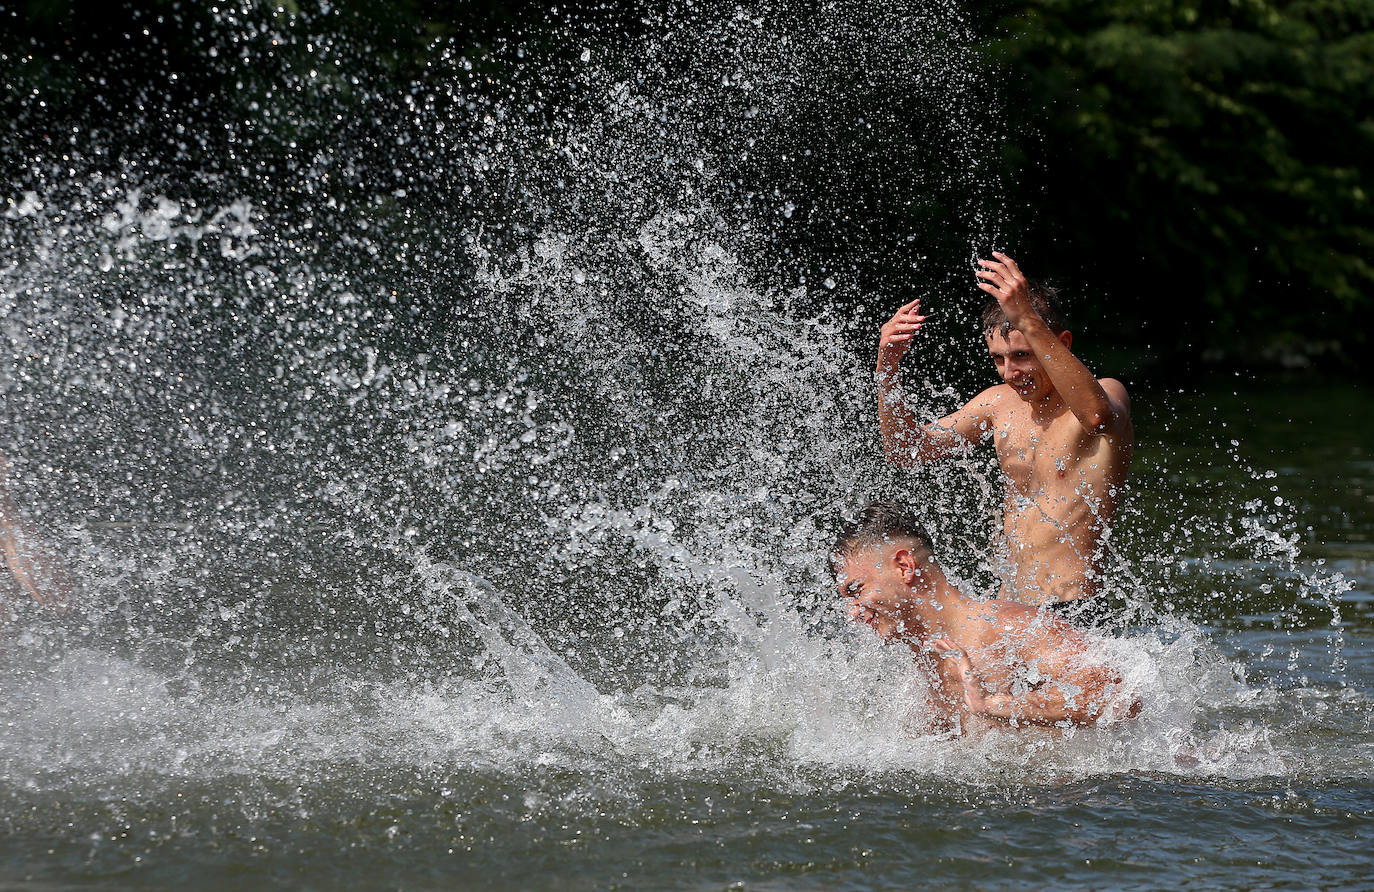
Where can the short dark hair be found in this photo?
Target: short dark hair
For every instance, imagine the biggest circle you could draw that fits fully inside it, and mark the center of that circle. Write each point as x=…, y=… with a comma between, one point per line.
x=1044, y=298
x=878, y=522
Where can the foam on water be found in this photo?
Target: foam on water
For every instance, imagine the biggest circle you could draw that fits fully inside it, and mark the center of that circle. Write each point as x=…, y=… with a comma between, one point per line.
x=541, y=478
x=786, y=701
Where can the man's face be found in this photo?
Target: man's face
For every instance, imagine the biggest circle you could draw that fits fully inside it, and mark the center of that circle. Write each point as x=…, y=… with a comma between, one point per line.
x=874, y=585
x=1018, y=366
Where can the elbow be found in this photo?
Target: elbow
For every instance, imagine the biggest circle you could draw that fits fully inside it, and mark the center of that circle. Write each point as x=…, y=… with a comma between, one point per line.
x=1102, y=701
x=1108, y=712
x=1125, y=705
x=1087, y=715
x=1096, y=421
x=902, y=455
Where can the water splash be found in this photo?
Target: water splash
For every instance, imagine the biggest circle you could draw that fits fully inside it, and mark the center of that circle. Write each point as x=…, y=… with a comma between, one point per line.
x=521, y=455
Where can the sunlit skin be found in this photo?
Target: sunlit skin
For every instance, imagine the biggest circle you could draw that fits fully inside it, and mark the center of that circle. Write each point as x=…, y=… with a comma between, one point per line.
x=990, y=663
x=1063, y=438
x=35, y=575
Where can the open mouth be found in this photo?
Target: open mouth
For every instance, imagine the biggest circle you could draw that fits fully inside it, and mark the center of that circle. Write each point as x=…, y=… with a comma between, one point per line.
x=866, y=615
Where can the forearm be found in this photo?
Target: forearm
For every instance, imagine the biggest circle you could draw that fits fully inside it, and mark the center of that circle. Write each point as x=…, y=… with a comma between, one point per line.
x=901, y=432
x=34, y=567
x=1048, y=705
x=1030, y=709
x=906, y=441
x=1071, y=378
x=16, y=560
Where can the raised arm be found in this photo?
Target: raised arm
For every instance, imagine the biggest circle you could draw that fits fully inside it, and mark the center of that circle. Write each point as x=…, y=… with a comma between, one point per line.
x=906, y=442
x=1099, y=409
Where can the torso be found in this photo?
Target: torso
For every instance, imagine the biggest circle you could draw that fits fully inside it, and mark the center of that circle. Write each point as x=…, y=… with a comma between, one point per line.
x=1062, y=489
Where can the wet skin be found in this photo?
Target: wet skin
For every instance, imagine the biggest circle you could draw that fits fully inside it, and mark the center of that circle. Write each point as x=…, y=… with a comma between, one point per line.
x=1062, y=484
x=33, y=569
x=1063, y=439
x=989, y=663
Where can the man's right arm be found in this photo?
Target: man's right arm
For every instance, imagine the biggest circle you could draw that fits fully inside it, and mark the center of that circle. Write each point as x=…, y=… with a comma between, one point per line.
x=907, y=442
x=1078, y=689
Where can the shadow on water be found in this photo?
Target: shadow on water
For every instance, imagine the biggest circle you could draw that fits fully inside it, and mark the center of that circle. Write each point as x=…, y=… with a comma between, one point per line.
x=472, y=523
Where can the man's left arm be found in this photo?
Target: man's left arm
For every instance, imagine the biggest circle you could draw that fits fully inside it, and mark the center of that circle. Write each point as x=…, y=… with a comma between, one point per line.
x=1099, y=411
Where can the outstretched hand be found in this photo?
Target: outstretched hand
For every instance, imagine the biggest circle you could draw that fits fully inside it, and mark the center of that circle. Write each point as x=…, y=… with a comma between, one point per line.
x=1005, y=282
x=897, y=333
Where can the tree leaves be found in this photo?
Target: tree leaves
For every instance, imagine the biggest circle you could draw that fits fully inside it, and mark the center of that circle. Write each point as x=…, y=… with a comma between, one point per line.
x=1204, y=163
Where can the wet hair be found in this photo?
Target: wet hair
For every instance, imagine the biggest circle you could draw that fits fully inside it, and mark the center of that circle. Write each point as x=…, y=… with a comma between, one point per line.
x=1044, y=298
x=878, y=523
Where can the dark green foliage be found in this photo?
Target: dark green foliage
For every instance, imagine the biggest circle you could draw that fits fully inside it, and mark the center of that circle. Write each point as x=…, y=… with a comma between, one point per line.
x=1204, y=166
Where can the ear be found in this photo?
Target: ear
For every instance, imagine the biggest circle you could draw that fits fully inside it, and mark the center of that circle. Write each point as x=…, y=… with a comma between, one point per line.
x=1066, y=338
x=906, y=563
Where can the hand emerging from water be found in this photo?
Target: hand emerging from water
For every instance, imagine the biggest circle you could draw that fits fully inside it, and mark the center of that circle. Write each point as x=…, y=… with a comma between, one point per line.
x=1006, y=283
x=897, y=334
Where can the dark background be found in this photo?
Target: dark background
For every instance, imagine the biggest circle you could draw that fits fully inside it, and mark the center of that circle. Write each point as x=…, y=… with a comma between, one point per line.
x=1197, y=174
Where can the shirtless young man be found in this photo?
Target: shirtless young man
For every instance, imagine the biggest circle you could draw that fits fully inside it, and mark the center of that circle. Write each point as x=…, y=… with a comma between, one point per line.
x=1063, y=437
x=989, y=663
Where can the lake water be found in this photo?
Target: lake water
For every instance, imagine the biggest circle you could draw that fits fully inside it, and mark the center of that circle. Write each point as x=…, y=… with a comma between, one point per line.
x=782, y=762
x=448, y=479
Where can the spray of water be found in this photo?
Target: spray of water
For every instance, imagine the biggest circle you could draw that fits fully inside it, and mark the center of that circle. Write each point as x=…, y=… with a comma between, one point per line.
x=505, y=424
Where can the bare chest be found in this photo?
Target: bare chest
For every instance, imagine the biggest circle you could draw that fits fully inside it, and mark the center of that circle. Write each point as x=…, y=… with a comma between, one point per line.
x=998, y=668
x=1058, y=457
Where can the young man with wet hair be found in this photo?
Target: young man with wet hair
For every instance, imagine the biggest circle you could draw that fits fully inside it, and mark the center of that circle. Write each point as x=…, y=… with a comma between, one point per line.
x=990, y=663
x=1063, y=438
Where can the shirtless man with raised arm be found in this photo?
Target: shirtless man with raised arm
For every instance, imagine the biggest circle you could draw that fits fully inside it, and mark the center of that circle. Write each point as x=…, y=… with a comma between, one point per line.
x=1063, y=437
x=989, y=663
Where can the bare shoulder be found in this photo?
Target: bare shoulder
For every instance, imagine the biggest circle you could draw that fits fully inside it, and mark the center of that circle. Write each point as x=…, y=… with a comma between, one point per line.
x=1013, y=615
x=996, y=619
x=991, y=401
x=1116, y=392
x=993, y=395
x=975, y=418
x=1042, y=630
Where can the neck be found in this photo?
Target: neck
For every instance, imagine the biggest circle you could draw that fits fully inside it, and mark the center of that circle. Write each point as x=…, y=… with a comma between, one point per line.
x=1048, y=407
x=927, y=611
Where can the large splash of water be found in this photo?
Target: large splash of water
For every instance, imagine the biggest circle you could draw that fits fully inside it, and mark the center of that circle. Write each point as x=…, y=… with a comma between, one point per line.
x=504, y=425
